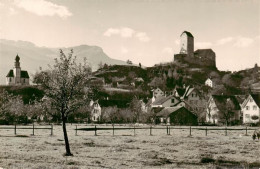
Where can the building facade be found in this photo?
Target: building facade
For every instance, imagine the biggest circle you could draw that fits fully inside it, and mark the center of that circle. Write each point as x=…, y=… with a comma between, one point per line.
x=95, y=111
x=251, y=108
x=16, y=76
x=209, y=82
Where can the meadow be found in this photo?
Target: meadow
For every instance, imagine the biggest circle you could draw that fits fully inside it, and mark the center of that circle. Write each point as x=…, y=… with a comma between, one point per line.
x=129, y=149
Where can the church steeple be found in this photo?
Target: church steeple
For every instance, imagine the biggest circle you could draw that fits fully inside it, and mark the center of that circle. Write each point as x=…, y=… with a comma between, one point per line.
x=17, y=62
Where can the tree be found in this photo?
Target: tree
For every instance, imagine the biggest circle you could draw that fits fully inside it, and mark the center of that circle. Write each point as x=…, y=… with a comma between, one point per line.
x=226, y=110
x=64, y=85
x=136, y=107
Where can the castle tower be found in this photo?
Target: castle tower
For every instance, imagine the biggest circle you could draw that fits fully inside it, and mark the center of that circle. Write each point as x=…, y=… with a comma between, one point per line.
x=187, y=44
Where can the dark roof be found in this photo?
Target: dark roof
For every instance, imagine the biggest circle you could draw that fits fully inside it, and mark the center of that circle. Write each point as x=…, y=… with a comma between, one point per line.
x=188, y=33
x=181, y=91
x=221, y=101
x=256, y=98
x=10, y=74
x=24, y=74
x=240, y=98
x=167, y=111
x=203, y=51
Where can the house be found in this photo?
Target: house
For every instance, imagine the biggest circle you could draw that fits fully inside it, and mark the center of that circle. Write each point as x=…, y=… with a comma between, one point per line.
x=177, y=116
x=195, y=99
x=222, y=107
x=157, y=93
x=16, y=76
x=169, y=101
x=95, y=111
x=251, y=108
x=209, y=83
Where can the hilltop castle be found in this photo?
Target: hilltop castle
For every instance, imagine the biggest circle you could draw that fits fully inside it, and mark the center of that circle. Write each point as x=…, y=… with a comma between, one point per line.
x=204, y=57
x=17, y=76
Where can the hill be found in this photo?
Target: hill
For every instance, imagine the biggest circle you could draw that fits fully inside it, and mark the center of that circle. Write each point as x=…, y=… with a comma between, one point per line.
x=33, y=57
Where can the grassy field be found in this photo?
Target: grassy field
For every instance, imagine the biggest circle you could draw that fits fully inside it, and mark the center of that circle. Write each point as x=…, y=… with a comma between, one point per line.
x=123, y=150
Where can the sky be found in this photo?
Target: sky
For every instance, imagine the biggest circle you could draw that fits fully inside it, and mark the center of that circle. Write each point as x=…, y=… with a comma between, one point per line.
x=143, y=31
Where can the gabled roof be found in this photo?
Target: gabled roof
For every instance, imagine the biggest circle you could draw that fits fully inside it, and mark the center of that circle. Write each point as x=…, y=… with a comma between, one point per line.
x=167, y=111
x=221, y=101
x=10, y=73
x=256, y=98
x=187, y=33
x=161, y=100
x=241, y=98
x=24, y=74
x=180, y=91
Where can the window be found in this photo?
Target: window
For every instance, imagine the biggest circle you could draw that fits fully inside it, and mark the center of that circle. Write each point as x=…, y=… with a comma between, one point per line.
x=247, y=107
x=254, y=108
x=10, y=79
x=172, y=100
x=247, y=116
x=251, y=100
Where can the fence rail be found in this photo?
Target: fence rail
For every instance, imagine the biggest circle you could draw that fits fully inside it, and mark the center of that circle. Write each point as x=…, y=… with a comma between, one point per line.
x=16, y=127
x=167, y=128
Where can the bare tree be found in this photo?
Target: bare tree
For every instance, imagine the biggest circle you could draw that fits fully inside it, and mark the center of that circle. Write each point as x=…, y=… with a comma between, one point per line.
x=64, y=85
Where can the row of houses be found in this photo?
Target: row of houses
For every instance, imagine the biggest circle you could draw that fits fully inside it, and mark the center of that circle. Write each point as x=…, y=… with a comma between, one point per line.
x=188, y=106
x=215, y=109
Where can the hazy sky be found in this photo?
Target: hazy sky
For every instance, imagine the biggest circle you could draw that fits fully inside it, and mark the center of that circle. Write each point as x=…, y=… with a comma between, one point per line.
x=145, y=31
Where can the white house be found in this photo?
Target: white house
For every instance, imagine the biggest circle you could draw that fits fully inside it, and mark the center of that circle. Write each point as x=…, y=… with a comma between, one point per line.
x=95, y=111
x=219, y=104
x=209, y=82
x=158, y=93
x=16, y=76
x=250, y=108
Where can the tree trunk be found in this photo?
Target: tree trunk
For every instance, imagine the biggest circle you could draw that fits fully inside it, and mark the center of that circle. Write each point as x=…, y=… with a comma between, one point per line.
x=67, y=145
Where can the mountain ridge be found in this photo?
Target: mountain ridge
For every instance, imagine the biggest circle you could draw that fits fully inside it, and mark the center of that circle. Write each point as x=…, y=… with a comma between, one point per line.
x=33, y=57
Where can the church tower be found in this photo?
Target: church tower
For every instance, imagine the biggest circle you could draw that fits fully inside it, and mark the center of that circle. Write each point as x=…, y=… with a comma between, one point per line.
x=16, y=76
x=17, y=69
x=187, y=44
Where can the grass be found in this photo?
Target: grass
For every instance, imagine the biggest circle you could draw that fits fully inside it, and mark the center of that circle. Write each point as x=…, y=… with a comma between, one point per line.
x=123, y=150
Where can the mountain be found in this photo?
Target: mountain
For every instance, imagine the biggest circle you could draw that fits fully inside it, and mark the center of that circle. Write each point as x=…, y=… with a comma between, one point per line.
x=33, y=57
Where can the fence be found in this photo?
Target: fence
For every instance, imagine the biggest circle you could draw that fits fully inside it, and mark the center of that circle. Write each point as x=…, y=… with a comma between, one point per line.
x=168, y=129
x=33, y=128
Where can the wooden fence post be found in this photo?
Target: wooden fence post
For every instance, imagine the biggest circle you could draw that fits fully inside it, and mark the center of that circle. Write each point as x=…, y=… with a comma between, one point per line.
x=15, y=129
x=113, y=130
x=95, y=130
x=33, y=129
x=226, y=131
x=206, y=131
x=51, y=129
x=150, y=130
x=190, y=130
x=169, y=130
x=76, y=132
x=134, y=130
x=246, y=131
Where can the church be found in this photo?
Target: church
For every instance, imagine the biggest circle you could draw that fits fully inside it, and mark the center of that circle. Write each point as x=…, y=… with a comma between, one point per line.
x=16, y=76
